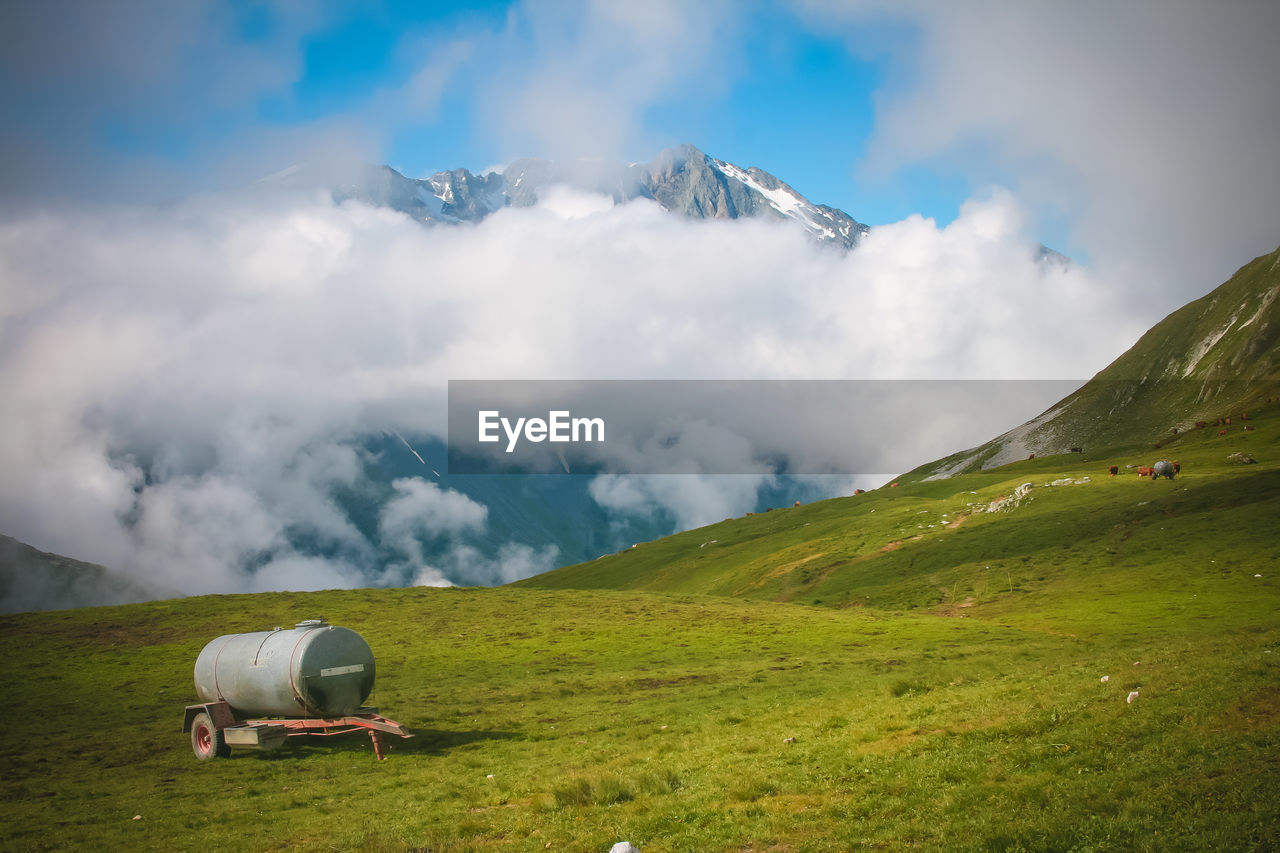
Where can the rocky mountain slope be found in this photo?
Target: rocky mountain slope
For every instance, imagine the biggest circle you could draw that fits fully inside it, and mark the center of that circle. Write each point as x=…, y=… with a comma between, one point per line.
x=683, y=180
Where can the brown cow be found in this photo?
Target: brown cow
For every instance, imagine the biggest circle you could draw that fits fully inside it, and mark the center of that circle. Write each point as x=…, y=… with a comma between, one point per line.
x=1113, y=470
x=893, y=485
x=1248, y=429
x=1222, y=432
x=1201, y=424
x=1244, y=416
x=1032, y=456
x=1144, y=471
x=859, y=491
x=1177, y=468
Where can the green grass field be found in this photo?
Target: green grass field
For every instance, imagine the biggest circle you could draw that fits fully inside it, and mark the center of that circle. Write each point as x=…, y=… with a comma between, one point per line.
x=857, y=673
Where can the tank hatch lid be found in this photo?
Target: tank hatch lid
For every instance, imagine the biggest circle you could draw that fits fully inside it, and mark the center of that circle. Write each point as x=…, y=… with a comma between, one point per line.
x=311, y=623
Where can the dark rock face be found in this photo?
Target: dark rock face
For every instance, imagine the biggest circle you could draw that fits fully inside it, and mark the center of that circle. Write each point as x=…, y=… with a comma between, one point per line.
x=683, y=180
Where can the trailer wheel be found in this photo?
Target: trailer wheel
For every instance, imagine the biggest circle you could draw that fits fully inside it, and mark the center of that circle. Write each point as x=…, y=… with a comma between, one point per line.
x=206, y=741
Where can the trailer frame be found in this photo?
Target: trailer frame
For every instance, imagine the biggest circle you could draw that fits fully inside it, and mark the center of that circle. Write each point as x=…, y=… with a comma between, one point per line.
x=215, y=727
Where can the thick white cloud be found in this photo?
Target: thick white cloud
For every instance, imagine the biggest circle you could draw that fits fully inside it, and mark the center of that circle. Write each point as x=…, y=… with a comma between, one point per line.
x=422, y=509
x=185, y=388
x=1147, y=126
x=693, y=500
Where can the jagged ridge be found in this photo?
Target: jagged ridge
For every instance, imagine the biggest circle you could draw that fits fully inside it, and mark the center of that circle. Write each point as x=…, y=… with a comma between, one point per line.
x=683, y=180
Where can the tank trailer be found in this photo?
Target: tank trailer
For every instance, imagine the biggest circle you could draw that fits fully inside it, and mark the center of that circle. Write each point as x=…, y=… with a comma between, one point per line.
x=258, y=689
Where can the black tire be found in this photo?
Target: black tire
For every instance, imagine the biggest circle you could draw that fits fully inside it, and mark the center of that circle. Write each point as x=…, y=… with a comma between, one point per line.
x=206, y=739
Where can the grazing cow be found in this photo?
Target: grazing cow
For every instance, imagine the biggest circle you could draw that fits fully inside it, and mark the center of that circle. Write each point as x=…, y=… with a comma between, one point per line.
x=1175, y=430
x=797, y=503
x=1163, y=468
x=859, y=491
x=1032, y=456
x=1248, y=429
x=1201, y=424
x=893, y=485
x=1222, y=432
x=1244, y=416
x=1144, y=471
x=1113, y=470
x=1227, y=421
x=1177, y=467
x=1077, y=450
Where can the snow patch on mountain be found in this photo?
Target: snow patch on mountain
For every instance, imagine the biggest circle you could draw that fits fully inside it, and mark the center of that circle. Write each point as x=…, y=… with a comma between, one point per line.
x=785, y=200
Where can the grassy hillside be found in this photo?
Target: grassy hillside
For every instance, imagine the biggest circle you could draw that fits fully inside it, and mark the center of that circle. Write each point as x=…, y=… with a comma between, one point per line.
x=932, y=544
x=1215, y=357
x=947, y=693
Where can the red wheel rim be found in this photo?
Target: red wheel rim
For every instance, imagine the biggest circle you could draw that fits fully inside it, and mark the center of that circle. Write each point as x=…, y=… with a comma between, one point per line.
x=204, y=739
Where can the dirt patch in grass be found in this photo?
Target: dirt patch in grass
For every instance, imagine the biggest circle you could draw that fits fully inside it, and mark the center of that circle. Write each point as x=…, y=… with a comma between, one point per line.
x=657, y=683
x=785, y=569
x=955, y=608
x=1255, y=712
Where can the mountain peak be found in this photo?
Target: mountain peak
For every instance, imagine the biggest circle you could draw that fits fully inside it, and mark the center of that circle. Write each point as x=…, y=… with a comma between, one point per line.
x=682, y=179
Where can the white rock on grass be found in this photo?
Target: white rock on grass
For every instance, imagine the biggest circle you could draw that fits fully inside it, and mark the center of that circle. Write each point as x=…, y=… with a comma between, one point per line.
x=624, y=847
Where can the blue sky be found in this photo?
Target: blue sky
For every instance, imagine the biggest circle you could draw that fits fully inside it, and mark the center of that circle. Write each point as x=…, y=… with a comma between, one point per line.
x=793, y=101
x=774, y=89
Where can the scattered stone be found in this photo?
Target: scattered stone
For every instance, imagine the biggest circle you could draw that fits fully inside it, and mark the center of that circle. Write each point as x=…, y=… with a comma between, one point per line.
x=1105, y=679
x=490, y=776
x=137, y=817
x=1242, y=458
x=624, y=847
x=1132, y=695
x=788, y=740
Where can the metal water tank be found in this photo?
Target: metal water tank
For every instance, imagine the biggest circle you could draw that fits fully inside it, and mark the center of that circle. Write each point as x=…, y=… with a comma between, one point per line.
x=311, y=670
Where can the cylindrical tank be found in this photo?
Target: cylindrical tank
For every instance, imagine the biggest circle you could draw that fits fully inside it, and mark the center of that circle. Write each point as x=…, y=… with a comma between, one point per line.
x=311, y=670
